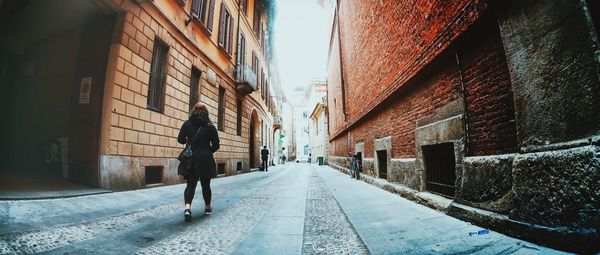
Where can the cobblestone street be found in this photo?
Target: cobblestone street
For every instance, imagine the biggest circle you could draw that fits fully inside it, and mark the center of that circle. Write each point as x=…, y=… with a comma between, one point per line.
x=292, y=209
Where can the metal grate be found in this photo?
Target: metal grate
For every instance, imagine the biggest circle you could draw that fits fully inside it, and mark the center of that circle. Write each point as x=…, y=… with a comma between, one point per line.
x=221, y=168
x=157, y=76
x=382, y=163
x=440, y=168
x=194, y=87
x=153, y=174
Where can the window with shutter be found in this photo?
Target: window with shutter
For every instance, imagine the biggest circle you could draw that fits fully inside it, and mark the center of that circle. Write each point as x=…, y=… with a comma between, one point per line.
x=239, y=117
x=203, y=10
x=197, y=8
x=222, y=26
x=194, y=87
x=221, y=109
x=241, y=55
x=244, y=6
x=211, y=15
x=226, y=30
x=158, y=74
x=256, y=19
x=230, y=38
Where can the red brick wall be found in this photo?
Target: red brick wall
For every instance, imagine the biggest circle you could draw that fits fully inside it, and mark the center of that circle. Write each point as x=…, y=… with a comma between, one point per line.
x=380, y=51
x=420, y=98
x=385, y=43
x=490, y=104
x=334, y=83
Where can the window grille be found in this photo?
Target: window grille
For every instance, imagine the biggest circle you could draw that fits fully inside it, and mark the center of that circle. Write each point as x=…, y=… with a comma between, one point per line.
x=440, y=168
x=158, y=76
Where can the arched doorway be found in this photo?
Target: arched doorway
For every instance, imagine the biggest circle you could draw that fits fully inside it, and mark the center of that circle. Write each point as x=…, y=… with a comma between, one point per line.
x=252, y=143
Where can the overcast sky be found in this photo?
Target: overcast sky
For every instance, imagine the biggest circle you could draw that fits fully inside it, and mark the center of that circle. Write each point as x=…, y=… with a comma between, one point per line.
x=300, y=42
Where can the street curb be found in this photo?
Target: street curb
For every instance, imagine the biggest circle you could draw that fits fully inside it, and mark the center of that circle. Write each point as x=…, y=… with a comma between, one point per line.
x=59, y=195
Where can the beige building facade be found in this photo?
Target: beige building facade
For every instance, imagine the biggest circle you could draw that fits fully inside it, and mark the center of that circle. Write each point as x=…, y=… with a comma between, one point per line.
x=126, y=73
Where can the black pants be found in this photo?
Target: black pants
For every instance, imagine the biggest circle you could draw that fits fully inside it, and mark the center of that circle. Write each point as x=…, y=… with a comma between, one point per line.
x=265, y=164
x=190, y=189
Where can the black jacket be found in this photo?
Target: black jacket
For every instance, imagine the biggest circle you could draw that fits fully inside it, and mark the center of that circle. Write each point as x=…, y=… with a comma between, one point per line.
x=264, y=153
x=204, y=146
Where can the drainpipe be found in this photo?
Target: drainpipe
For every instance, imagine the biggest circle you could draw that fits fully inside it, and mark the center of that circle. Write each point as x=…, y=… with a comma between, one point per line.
x=464, y=94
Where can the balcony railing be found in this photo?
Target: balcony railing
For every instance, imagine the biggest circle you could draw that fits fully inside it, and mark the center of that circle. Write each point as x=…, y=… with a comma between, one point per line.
x=245, y=80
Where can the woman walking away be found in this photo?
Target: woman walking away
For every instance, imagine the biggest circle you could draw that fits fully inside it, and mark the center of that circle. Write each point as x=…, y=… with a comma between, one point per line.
x=204, y=144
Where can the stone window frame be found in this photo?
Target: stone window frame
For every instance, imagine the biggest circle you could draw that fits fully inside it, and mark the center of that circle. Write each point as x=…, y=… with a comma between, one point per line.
x=381, y=144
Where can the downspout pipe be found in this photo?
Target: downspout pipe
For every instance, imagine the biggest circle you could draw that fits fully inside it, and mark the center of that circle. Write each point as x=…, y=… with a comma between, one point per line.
x=464, y=94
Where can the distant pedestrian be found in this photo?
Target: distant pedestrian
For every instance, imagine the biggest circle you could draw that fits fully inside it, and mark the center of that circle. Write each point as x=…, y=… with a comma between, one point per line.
x=203, y=146
x=264, y=153
x=284, y=158
x=356, y=166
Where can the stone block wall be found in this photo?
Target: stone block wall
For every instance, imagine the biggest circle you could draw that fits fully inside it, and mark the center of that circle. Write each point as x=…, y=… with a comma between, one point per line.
x=135, y=132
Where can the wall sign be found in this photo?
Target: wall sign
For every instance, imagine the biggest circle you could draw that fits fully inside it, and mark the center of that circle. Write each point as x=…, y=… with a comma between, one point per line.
x=85, y=90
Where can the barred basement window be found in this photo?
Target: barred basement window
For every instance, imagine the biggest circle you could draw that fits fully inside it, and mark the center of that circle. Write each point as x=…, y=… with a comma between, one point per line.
x=153, y=174
x=221, y=110
x=221, y=168
x=194, y=87
x=158, y=74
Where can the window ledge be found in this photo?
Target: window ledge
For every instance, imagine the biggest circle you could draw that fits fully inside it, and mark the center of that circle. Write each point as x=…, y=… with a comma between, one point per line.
x=224, y=51
x=202, y=27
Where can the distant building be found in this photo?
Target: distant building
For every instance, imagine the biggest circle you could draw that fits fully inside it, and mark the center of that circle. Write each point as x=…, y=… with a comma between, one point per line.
x=316, y=96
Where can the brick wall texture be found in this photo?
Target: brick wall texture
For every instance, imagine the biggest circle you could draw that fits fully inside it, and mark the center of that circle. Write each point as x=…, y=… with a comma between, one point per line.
x=411, y=59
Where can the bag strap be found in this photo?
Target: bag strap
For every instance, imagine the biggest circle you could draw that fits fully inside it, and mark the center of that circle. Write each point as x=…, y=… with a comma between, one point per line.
x=196, y=135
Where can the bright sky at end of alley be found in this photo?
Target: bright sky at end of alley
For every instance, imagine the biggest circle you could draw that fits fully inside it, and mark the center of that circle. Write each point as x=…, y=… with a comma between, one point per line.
x=301, y=42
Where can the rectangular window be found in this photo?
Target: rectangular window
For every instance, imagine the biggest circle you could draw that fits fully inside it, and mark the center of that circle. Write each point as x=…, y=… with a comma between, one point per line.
x=226, y=29
x=153, y=174
x=241, y=56
x=239, y=117
x=220, y=168
x=256, y=20
x=204, y=11
x=221, y=110
x=194, y=87
x=158, y=74
x=254, y=62
x=440, y=168
x=244, y=6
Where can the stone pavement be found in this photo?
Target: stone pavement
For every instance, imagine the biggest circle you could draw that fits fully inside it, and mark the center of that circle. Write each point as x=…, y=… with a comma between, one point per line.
x=292, y=209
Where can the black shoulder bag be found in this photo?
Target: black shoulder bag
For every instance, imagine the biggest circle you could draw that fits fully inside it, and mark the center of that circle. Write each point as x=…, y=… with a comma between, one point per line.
x=186, y=157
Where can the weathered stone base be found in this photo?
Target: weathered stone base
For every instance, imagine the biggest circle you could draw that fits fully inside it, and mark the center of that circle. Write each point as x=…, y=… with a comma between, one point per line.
x=125, y=173
x=552, y=197
x=487, y=183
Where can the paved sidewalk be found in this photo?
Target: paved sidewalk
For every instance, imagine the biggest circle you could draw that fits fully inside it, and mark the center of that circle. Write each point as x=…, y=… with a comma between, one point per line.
x=292, y=209
x=390, y=224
